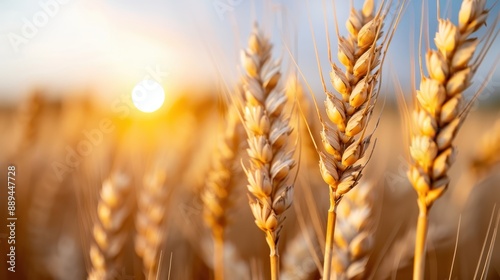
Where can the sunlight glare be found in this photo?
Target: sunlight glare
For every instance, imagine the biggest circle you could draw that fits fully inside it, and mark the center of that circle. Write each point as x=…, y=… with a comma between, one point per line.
x=148, y=96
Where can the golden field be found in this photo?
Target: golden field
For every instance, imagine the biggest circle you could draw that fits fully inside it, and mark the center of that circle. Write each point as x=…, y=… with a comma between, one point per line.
x=55, y=216
x=252, y=170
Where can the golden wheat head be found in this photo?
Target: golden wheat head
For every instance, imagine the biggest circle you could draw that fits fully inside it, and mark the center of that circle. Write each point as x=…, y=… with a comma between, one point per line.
x=268, y=131
x=108, y=232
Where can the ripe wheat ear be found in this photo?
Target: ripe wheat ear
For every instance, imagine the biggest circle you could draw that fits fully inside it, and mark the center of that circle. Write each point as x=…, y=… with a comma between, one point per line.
x=344, y=136
x=150, y=220
x=437, y=114
x=488, y=151
x=354, y=238
x=216, y=196
x=268, y=131
x=108, y=232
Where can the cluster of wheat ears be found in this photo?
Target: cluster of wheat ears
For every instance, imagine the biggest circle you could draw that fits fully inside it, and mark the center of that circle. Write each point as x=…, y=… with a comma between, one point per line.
x=258, y=114
x=265, y=121
x=438, y=113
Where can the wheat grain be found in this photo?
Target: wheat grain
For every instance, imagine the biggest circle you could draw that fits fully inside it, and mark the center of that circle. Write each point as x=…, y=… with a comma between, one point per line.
x=354, y=238
x=150, y=220
x=268, y=132
x=108, y=233
x=437, y=112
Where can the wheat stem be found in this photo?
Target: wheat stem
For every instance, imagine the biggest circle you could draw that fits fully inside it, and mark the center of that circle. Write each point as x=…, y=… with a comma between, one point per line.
x=330, y=235
x=275, y=260
x=219, y=255
x=419, y=264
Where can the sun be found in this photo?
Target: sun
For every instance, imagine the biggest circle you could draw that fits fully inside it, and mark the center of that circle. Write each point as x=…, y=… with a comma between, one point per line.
x=148, y=96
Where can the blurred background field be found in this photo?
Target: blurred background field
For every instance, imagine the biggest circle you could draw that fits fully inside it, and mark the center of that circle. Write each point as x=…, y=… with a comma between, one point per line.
x=55, y=203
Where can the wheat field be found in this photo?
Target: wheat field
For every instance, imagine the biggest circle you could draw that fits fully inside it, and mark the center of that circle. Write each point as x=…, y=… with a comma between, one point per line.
x=266, y=177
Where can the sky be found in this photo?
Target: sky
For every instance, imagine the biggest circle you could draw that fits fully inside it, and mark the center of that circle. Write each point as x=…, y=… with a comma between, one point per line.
x=108, y=46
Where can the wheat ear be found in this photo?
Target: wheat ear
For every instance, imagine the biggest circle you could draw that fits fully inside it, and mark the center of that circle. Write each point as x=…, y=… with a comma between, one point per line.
x=298, y=262
x=268, y=131
x=344, y=135
x=354, y=238
x=108, y=232
x=149, y=222
x=220, y=183
x=29, y=119
x=437, y=113
x=485, y=156
x=488, y=151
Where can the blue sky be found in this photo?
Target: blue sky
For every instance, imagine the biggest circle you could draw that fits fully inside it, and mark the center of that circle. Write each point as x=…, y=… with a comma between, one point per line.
x=109, y=46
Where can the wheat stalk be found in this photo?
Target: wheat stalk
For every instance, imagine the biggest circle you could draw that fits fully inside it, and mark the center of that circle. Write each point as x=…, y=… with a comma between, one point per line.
x=109, y=235
x=268, y=132
x=354, y=238
x=344, y=136
x=216, y=196
x=149, y=222
x=437, y=113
